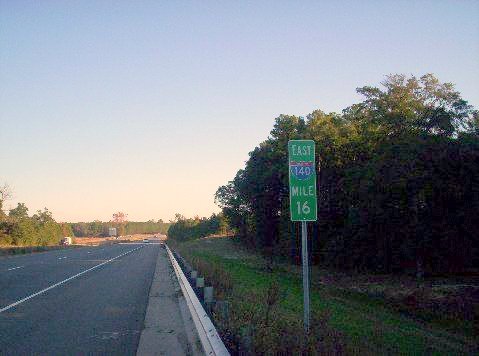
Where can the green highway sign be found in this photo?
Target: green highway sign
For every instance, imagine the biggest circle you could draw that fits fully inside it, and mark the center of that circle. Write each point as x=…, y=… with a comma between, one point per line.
x=302, y=180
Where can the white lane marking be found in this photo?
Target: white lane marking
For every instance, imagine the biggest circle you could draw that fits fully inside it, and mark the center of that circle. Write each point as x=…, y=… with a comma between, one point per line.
x=61, y=258
x=64, y=281
x=139, y=243
x=11, y=269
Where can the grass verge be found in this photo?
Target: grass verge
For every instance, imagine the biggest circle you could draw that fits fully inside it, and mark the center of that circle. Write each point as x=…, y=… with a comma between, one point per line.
x=263, y=313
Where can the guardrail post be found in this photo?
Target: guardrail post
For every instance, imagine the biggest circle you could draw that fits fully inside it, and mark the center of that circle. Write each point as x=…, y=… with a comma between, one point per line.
x=200, y=282
x=222, y=307
x=208, y=299
x=208, y=294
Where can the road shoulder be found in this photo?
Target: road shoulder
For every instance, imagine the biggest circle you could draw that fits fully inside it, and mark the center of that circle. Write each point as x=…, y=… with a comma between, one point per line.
x=168, y=327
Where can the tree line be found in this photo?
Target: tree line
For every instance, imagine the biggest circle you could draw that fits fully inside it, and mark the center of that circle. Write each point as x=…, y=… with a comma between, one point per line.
x=398, y=182
x=20, y=229
x=184, y=229
x=100, y=228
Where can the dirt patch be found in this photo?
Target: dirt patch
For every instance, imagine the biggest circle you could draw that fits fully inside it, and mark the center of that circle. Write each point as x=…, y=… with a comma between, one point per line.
x=94, y=240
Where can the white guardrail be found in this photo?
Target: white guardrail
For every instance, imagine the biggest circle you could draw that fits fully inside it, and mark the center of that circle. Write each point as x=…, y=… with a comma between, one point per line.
x=210, y=340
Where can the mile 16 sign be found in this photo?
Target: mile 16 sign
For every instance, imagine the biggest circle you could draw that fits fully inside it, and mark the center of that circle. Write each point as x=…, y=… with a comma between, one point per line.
x=302, y=180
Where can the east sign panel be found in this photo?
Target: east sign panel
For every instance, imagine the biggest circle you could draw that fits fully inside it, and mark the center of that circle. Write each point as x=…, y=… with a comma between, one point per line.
x=302, y=180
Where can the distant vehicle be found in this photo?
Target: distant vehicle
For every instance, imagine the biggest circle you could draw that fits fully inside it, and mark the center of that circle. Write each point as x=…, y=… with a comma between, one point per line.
x=146, y=241
x=66, y=241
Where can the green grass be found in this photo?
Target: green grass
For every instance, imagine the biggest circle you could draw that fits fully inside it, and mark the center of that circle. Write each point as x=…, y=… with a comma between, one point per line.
x=367, y=324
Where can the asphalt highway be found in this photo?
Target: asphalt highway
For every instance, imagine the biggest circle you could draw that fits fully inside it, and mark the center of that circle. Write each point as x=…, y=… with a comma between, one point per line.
x=88, y=300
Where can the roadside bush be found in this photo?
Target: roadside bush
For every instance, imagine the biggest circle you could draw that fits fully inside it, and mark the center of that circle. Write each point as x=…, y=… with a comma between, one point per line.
x=20, y=229
x=255, y=325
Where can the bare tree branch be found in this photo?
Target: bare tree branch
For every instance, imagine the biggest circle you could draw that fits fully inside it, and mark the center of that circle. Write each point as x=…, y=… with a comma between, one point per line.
x=6, y=192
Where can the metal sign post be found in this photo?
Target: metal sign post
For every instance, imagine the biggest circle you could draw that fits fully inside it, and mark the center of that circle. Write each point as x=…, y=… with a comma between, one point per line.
x=304, y=248
x=303, y=203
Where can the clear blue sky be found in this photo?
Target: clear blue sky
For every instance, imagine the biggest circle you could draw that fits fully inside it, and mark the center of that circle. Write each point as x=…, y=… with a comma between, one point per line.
x=149, y=106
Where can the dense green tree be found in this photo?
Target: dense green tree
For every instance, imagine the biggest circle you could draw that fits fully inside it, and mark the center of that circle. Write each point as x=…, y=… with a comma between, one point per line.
x=398, y=181
x=412, y=104
x=20, y=212
x=22, y=230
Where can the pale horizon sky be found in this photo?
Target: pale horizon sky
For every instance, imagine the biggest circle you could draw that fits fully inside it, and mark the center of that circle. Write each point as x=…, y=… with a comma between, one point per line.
x=148, y=107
